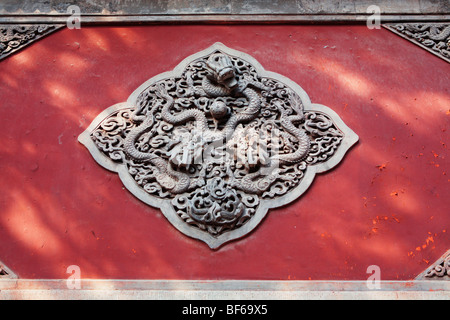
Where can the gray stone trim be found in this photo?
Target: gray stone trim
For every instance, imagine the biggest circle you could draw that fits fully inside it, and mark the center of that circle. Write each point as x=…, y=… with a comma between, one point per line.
x=267, y=18
x=232, y=7
x=229, y=11
x=433, y=37
x=223, y=290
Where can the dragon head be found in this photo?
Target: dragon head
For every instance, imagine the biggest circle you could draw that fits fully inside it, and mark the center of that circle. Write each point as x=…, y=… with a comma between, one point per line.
x=221, y=70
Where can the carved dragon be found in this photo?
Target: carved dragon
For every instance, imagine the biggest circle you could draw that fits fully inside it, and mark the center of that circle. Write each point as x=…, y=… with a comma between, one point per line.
x=219, y=81
x=213, y=142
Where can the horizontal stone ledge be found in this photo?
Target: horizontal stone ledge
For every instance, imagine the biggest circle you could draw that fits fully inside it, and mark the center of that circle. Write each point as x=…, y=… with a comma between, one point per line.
x=225, y=289
x=224, y=285
x=218, y=18
x=225, y=6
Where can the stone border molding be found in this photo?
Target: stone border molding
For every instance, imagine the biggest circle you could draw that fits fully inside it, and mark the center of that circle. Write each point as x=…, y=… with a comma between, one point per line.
x=96, y=289
x=30, y=8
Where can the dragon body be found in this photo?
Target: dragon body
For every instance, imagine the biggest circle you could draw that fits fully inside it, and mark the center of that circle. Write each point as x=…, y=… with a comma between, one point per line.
x=220, y=81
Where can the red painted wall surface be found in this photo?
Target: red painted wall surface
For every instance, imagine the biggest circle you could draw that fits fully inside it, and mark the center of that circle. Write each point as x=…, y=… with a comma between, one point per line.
x=386, y=204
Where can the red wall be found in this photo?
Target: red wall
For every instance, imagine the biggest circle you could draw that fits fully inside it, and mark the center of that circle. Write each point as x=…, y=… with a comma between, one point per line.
x=386, y=204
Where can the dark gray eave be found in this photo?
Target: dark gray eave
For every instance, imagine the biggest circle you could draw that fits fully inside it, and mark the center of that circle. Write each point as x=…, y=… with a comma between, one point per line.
x=238, y=11
x=167, y=7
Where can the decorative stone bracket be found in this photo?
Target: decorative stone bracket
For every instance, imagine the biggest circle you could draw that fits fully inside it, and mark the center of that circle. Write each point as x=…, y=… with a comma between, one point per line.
x=434, y=37
x=440, y=270
x=16, y=37
x=217, y=142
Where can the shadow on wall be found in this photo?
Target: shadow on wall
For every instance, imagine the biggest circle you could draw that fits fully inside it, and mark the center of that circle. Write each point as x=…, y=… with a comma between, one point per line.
x=386, y=204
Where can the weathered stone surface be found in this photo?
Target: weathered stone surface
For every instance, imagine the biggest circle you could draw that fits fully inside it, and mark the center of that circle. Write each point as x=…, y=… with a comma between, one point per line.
x=225, y=6
x=95, y=289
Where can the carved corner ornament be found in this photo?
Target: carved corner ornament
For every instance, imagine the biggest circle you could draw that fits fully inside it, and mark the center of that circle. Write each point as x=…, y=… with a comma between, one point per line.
x=434, y=37
x=217, y=142
x=6, y=273
x=440, y=270
x=16, y=37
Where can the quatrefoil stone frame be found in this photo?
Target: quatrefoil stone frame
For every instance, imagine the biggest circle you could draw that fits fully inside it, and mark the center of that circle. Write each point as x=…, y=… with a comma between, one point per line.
x=112, y=157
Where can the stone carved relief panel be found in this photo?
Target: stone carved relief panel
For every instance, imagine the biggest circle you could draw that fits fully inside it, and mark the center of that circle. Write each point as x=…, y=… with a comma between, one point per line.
x=217, y=142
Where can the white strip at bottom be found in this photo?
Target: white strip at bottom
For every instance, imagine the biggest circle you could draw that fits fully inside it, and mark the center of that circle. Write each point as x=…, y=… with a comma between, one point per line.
x=96, y=289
